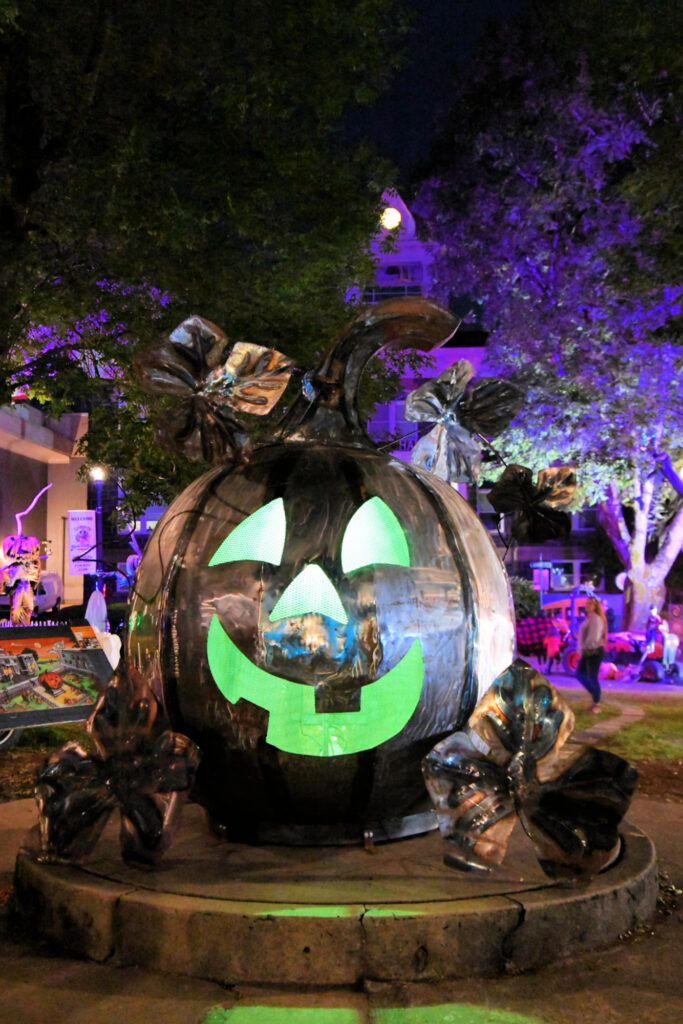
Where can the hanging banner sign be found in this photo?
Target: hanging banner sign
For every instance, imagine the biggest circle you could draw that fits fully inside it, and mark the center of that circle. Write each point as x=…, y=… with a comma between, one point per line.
x=82, y=542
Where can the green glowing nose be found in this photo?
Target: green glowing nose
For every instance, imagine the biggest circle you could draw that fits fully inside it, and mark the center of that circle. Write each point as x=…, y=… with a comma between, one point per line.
x=310, y=593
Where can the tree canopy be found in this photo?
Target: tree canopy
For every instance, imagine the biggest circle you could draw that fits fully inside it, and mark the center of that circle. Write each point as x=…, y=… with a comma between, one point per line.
x=161, y=159
x=549, y=215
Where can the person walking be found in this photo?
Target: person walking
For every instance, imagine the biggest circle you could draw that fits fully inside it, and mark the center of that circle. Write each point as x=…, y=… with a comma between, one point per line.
x=670, y=644
x=552, y=643
x=591, y=643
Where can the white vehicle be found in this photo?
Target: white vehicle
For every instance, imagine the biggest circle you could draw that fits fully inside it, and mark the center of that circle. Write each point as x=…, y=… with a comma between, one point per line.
x=50, y=592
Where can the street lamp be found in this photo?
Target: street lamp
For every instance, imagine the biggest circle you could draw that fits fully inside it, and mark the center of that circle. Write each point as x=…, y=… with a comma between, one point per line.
x=98, y=475
x=390, y=218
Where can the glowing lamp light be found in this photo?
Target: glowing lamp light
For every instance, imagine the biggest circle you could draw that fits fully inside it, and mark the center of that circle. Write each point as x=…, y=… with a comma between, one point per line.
x=98, y=474
x=391, y=218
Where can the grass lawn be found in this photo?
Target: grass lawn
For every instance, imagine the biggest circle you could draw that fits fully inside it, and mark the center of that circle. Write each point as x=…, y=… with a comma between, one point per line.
x=584, y=718
x=657, y=735
x=49, y=737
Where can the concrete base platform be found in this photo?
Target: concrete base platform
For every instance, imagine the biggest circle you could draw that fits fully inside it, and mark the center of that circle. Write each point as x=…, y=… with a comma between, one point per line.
x=331, y=916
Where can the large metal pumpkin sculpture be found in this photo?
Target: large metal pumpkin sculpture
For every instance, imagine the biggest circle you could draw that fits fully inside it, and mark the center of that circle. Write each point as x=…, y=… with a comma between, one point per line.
x=320, y=614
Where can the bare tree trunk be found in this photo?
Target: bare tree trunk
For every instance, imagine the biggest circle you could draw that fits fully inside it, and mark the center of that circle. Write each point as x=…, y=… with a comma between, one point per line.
x=639, y=596
x=645, y=585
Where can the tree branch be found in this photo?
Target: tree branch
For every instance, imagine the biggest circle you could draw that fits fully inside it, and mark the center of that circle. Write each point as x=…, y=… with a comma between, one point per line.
x=670, y=473
x=641, y=516
x=669, y=550
x=611, y=518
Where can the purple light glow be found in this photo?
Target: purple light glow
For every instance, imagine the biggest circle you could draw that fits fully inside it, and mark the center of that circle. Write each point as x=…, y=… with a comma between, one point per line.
x=83, y=341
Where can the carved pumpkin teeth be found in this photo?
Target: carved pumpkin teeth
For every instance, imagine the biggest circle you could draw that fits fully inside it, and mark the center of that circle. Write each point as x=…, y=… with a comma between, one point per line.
x=294, y=725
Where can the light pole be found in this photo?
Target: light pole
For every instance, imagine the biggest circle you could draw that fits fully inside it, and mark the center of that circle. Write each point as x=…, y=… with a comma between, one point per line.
x=98, y=475
x=541, y=566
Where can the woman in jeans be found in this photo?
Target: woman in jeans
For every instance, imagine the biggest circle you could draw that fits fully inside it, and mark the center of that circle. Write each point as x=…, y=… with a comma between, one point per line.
x=592, y=639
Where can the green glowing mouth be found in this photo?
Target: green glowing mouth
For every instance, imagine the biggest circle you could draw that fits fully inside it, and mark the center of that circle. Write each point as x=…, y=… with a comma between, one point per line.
x=294, y=725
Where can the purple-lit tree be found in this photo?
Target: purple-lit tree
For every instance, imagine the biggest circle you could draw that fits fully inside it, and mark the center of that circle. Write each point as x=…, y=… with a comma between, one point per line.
x=86, y=363
x=530, y=224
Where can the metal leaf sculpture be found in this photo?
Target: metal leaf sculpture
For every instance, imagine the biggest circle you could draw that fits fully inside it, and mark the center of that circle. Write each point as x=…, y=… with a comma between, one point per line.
x=536, y=509
x=451, y=450
x=512, y=761
x=210, y=387
x=136, y=768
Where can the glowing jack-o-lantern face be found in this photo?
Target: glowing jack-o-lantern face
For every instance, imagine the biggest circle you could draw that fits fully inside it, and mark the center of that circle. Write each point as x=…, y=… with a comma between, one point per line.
x=316, y=614
x=320, y=617
x=311, y=609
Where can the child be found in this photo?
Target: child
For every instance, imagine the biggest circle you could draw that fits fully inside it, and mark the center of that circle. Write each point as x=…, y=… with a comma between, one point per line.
x=552, y=642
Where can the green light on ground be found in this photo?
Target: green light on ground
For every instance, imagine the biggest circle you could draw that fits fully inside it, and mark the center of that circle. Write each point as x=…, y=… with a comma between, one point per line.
x=449, y=1013
x=327, y=910
x=320, y=911
x=281, y=1015
x=445, y=1013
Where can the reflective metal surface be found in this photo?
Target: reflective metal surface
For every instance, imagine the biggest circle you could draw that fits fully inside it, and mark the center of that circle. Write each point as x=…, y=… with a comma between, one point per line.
x=305, y=718
x=327, y=409
x=136, y=768
x=536, y=509
x=462, y=414
x=211, y=386
x=318, y=613
x=513, y=760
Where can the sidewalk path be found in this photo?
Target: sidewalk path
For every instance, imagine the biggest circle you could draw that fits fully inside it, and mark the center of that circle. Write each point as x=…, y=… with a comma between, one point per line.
x=628, y=713
x=636, y=982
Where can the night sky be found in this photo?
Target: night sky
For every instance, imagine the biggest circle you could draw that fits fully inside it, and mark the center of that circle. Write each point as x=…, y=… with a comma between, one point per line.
x=444, y=35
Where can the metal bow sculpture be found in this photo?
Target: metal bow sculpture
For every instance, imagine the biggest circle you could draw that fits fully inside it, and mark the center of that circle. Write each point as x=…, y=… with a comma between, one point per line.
x=452, y=449
x=512, y=762
x=138, y=770
x=210, y=387
x=537, y=509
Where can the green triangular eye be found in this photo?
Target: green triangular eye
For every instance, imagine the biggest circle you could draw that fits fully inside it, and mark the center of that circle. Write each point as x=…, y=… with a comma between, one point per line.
x=373, y=536
x=259, y=538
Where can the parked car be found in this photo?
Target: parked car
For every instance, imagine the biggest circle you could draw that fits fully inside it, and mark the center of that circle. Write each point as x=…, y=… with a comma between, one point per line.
x=49, y=593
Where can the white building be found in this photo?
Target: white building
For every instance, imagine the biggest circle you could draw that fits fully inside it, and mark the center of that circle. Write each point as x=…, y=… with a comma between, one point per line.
x=34, y=451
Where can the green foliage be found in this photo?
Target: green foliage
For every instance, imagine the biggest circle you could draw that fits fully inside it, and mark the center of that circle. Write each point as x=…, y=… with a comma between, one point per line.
x=9, y=11
x=634, y=51
x=160, y=160
x=524, y=597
